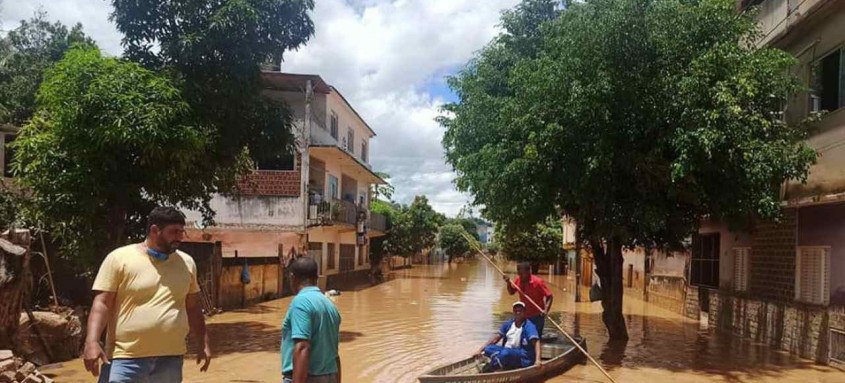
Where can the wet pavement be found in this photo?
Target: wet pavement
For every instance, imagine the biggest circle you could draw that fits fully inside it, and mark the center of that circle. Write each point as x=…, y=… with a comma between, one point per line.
x=431, y=315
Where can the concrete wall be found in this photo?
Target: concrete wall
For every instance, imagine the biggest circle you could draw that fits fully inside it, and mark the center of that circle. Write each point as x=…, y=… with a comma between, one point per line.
x=815, y=40
x=825, y=226
x=264, y=285
x=254, y=210
x=633, y=268
x=800, y=329
x=778, y=17
x=348, y=119
x=247, y=243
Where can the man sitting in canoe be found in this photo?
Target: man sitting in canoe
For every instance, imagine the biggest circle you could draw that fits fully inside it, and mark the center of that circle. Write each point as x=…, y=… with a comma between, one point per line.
x=521, y=343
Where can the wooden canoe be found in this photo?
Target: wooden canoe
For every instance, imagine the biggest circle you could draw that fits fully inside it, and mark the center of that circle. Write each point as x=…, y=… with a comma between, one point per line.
x=557, y=355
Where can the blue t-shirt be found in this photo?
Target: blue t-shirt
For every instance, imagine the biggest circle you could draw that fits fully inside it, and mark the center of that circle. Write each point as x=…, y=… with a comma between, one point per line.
x=311, y=316
x=529, y=332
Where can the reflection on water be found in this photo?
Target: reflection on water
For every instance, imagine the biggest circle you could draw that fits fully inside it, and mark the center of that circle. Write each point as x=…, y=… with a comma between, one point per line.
x=430, y=315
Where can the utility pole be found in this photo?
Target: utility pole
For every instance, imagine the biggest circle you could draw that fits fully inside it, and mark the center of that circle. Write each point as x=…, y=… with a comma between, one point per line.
x=305, y=163
x=577, y=265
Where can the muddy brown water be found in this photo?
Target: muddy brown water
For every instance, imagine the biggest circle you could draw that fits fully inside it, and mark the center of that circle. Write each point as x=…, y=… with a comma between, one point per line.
x=430, y=315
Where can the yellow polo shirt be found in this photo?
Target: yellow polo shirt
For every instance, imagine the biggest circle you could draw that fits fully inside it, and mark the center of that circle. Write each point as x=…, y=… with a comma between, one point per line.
x=150, y=317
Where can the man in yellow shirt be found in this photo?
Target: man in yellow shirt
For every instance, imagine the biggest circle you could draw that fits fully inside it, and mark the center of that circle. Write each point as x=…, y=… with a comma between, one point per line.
x=147, y=299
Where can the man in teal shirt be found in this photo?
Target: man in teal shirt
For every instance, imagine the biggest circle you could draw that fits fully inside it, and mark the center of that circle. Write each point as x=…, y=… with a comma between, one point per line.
x=311, y=330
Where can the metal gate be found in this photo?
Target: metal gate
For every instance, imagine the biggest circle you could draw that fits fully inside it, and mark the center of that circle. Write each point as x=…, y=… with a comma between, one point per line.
x=347, y=258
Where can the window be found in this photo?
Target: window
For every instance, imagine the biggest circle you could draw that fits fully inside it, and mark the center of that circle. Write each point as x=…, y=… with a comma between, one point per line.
x=812, y=275
x=704, y=267
x=350, y=140
x=8, y=154
x=332, y=192
x=277, y=161
x=827, y=83
x=364, y=151
x=333, y=126
x=742, y=263
x=330, y=254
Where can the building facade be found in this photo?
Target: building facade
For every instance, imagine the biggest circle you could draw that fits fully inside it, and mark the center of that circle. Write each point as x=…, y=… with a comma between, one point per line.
x=783, y=283
x=317, y=203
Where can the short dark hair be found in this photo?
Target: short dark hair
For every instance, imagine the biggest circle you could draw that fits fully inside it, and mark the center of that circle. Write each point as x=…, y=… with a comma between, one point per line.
x=523, y=265
x=162, y=216
x=304, y=268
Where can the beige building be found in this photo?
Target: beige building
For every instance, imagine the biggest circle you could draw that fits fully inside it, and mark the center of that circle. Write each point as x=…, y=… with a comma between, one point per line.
x=318, y=201
x=783, y=283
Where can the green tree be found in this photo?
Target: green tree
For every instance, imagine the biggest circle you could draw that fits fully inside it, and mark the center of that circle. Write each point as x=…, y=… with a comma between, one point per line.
x=216, y=50
x=469, y=225
x=630, y=116
x=387, y=244
x=25, y=53
x=423, y=223
x=383, y=191
x=109, y=140
x=540, y=243
x=454, y=240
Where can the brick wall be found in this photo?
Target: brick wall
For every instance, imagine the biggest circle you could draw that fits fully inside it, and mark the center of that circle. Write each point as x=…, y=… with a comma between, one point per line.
x=773, y=259
x=285, y=183
x=798, y=328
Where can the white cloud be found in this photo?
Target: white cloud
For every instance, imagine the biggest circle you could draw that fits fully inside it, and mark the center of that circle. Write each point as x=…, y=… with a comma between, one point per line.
x=93, y=14
x=381, y=54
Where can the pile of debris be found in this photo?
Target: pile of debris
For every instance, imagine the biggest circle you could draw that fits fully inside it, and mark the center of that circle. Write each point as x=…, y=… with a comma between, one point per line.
x=14, y=370
x=46, y=337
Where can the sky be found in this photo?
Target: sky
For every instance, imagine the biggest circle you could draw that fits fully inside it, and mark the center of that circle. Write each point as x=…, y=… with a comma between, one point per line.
x=388, y=58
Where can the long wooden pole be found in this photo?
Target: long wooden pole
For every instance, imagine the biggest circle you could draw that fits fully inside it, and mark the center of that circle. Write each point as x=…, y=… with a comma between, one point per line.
x=49, y=270
x=571, y=339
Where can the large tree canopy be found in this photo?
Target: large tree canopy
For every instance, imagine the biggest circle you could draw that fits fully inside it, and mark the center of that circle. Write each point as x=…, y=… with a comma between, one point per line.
x=110, y=139
x=635, y=117
x=25, y=53
x=216, y=49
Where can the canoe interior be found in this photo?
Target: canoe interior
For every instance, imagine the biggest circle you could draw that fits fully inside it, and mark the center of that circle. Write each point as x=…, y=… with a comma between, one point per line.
x=557, y=355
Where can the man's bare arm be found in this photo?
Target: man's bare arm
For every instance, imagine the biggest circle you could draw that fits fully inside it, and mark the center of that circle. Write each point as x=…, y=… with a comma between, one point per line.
x=101, y=310
x=301, y=360
x=196, y=322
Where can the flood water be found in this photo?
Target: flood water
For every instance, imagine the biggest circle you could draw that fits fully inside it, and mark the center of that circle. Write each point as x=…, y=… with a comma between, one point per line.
x=430, y=315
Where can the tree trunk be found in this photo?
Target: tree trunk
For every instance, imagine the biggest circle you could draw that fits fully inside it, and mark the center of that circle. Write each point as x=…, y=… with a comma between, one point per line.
x=15, y=283
x=609, y=262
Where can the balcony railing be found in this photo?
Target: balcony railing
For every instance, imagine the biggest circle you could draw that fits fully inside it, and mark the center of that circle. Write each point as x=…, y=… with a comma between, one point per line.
x=378, y=222
x=333, y=212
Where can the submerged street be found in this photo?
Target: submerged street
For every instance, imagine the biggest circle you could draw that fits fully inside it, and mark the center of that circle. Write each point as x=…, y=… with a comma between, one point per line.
x=434, y=314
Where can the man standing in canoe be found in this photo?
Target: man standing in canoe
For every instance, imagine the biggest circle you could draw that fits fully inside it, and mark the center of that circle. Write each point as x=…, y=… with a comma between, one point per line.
x=531, y=286
x=520, y=344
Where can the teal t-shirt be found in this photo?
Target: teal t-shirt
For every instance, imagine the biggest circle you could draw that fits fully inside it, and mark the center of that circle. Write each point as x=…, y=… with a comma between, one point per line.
x=311, y=316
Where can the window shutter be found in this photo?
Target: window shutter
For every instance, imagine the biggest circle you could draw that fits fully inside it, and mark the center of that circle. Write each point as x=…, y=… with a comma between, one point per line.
x=813, y=275
x=741, y=268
